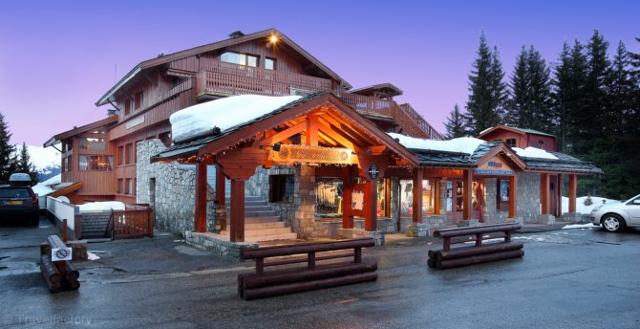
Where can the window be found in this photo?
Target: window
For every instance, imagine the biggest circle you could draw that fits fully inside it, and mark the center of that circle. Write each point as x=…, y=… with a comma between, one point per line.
x=269, y=63
x=120, y=155
x=95, y=163
x=541, y=143
x=127, y=107
x=240, y=59
x=133, y=186
x=328, y=195
x=127, y=186
x=128, y=153
x=65, y=164
x=93, y=144
x=165, y=138
x=138, y=100
x=511, y=142
x=281, y=188
x=120, y=186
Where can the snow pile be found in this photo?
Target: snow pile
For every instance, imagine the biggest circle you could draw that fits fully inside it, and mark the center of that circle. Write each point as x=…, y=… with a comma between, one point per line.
x=101, y=206
x=200, y=120
x=581, y=208
x=578, y=226
x=48, y=186
x=534, y=152
x=92, y=256
x=458, y=145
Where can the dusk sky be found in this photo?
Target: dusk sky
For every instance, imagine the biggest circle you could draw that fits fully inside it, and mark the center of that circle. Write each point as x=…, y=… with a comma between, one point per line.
x=58, y=57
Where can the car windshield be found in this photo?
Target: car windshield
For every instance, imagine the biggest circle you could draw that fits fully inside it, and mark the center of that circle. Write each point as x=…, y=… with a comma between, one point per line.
x=11, y=193
x=632, y=198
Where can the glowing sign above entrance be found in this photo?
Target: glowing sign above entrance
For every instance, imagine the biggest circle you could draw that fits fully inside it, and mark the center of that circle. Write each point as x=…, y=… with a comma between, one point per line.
x=289, y=153
x=494, y=167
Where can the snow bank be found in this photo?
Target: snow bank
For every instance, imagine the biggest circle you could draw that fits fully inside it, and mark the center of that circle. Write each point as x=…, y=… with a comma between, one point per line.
x=199, y=120
x=581, y=208
x=578, y=226
x=100, y=206
x=92, y=256
x=46, y=187
x=459, y=145
x=534, y=152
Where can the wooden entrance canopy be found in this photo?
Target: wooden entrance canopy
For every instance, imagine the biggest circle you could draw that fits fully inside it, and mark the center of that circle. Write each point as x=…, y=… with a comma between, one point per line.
x=316, y=130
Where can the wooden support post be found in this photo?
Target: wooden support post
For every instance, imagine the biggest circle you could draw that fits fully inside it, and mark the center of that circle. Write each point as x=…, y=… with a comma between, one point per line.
x=513, y=183
x=436, y=196
x=237, y=211
x=65, y=228
x=370, y=206
x=387, y=197
x=200, y=224
x=545, y=195
x=573, y=188
x=467, y=183
x=220, y=187
x=558, y=195
x=417, y=195
x=347, y=189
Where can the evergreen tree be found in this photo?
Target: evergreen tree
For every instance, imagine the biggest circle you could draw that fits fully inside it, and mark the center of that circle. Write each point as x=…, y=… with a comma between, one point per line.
x=530, y=104
x=7, y=150
x=456, y=123
x=487, y=91
x=517, y=110
x=25, y=166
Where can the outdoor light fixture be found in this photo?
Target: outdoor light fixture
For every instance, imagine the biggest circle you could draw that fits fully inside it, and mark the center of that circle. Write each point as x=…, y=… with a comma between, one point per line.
x=273, y=39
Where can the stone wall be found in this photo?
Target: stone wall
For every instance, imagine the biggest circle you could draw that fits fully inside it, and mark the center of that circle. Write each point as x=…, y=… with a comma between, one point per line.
x=528, y=200
x=174, y=188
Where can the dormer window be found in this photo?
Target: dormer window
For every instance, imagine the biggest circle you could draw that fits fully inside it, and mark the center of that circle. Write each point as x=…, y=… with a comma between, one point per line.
x=511, y=142
x=240, y=59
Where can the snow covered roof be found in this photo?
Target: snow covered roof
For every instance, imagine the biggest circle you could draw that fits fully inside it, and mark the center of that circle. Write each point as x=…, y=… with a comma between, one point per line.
x=225, y=113
x=48, y=186
x=534, y=152
x=457, y=145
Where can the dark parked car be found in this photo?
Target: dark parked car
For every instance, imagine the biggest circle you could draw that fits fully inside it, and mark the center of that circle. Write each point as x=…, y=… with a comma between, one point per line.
x=20, y=204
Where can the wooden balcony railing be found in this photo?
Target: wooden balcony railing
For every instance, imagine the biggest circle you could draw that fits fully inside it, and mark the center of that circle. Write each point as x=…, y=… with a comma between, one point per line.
x=238, y=80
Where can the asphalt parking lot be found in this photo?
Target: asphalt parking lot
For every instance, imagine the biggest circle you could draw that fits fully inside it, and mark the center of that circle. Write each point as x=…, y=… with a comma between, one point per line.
x=583, y=278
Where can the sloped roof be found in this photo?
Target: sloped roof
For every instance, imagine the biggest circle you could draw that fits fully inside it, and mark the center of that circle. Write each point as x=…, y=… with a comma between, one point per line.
x=521, y=131
x=215, y=46
x=79, y=130
x=386, y=89
x=565, y=163
x=193, y=146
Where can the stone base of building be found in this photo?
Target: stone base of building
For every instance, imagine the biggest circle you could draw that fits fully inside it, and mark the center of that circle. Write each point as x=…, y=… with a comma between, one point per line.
x=546, y=219
x=353, y=233
x=217, y=244
x=575, y=218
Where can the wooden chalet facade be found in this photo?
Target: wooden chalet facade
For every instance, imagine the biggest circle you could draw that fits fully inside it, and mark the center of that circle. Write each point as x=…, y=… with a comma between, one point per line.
x=350, y=148
x=262, y=63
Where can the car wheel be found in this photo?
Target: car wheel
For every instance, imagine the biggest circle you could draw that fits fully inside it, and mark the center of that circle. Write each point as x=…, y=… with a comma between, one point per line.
x=613, y=223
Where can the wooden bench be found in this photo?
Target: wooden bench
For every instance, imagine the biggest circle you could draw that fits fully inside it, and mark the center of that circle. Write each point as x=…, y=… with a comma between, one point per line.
x=480, y=251
x=58, y=273
x=291, y=279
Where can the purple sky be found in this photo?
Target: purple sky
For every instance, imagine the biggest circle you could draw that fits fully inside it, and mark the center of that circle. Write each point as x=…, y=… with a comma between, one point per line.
x=58, y=57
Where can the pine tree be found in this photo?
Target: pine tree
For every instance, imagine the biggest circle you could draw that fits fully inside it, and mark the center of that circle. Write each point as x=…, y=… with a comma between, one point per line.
x=517, y=110
x=487, y=91
x=7, y=150
x=539, y=93
x=25, y=166
x=456, y=123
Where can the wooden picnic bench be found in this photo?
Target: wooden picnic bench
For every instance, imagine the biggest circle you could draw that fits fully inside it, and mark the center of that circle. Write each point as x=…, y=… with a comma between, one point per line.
x=481, y=251
x=288, y=279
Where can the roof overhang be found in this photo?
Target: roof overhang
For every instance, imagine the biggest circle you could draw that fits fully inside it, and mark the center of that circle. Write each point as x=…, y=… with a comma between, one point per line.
x=79, y=130
x=215, y=46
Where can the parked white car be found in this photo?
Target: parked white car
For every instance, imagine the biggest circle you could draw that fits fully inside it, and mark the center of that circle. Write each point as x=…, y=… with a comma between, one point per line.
x=615, y=217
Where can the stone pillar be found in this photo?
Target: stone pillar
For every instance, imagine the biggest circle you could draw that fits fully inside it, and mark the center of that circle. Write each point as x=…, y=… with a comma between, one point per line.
x=304, y=200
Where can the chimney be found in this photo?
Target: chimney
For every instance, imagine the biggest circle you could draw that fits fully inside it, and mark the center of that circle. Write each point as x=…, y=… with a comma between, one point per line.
x=236, y=34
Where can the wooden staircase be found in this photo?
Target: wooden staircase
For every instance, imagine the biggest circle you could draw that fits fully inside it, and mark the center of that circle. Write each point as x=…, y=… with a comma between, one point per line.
x=261, y=222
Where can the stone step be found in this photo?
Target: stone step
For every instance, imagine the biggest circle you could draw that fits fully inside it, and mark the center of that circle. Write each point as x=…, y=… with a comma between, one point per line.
x=248, y=198
x=265, y=219
x=251, y=232
x=266, y=213
x=257, y=226
x=270, y=237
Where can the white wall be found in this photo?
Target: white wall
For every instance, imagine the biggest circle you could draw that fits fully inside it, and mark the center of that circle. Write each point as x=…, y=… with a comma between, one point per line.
x=62, y=210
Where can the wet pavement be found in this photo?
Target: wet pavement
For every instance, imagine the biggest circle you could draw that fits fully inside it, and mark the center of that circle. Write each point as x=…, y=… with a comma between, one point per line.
x=568, y=279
